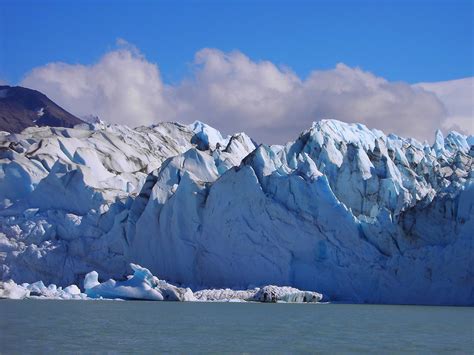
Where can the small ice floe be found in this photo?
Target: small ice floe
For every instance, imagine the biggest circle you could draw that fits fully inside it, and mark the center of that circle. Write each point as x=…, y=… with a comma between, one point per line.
x=224, y=295
x=142, y=285
x=11, y=290
x=285, y=294
x=267, y=294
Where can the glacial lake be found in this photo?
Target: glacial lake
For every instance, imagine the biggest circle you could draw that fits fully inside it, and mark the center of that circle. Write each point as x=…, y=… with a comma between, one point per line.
x=45, y=326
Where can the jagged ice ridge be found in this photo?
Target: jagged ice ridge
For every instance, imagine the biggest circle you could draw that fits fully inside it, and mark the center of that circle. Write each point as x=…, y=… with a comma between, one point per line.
x=343, y=210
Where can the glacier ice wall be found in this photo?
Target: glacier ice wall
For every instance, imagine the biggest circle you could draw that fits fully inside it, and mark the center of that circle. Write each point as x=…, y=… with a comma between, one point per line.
x=343, y=210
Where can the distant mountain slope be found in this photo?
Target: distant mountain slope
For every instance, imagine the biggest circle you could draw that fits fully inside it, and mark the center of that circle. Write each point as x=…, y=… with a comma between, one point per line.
x=21, y=107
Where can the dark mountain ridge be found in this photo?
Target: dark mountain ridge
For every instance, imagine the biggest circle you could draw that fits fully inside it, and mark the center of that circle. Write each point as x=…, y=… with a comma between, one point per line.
x=22, y=107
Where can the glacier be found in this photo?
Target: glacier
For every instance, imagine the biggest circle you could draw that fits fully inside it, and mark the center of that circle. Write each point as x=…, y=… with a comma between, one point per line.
x=343, y=210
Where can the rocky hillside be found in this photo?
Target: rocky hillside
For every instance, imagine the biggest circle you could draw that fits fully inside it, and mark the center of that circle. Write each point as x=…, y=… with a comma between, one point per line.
x=21, y=108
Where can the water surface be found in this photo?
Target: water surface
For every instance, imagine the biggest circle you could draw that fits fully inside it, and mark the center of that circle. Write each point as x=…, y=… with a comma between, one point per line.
x=45, y=326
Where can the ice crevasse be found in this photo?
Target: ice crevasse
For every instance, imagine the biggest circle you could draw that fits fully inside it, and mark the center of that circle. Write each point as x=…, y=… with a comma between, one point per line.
x=343, y=210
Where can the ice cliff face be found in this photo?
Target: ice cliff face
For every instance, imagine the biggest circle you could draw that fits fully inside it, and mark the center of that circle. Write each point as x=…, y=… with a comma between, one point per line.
x=343, y=210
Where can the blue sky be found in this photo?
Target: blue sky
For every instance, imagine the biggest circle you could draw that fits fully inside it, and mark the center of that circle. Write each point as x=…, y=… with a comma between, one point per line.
x=410, y=41
x=268, y=68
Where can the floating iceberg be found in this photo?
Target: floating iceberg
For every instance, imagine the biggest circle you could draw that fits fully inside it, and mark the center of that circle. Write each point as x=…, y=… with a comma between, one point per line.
x=11, y=290
x=224, y=295
x=286, y=294
x=267, y=294
x=141, y=286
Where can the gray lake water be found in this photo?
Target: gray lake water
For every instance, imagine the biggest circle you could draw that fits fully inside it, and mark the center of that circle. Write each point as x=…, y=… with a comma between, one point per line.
x=43, y=326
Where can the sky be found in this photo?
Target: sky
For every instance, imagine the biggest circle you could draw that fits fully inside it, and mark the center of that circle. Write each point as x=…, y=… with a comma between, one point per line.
x=268, y=68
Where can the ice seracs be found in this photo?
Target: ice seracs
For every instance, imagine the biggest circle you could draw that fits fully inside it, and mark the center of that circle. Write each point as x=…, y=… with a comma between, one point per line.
x=350, y=212
x=343, y=209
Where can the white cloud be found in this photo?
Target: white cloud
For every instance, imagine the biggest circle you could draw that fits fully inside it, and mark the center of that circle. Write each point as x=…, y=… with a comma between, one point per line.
x=458, y=97
x=231, y=92
x=234, y=93
x=123, y=87
x=353, y=95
